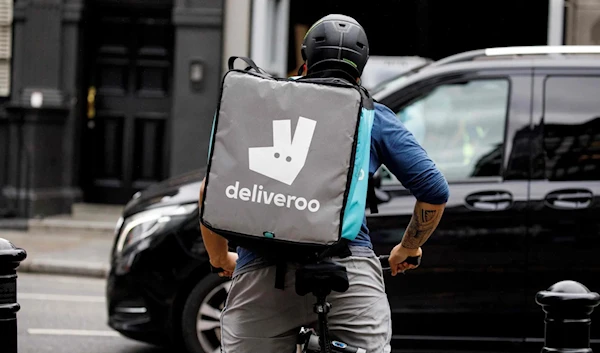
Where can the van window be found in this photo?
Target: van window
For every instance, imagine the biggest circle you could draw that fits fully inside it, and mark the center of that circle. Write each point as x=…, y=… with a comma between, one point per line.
x=572, y=128
x=461, y=126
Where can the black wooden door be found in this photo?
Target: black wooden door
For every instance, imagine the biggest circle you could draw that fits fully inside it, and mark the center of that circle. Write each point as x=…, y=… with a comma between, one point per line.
x=129, y=53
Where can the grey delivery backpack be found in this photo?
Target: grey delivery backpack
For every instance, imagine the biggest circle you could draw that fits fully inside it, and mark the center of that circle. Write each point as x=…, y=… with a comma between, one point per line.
x=288, y=164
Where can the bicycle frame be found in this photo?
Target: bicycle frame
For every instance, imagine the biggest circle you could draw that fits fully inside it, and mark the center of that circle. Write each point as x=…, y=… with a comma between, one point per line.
x=322, y=343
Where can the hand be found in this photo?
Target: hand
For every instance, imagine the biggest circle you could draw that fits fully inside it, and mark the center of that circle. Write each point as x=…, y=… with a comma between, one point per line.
x=227, y=263
x=398, y=255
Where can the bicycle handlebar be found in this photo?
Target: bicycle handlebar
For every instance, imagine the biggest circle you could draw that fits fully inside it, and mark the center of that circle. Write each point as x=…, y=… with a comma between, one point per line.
x=385, y=261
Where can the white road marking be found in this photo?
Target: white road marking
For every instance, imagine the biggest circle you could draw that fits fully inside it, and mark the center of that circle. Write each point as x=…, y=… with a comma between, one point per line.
x=62, y=332
x=61, y=297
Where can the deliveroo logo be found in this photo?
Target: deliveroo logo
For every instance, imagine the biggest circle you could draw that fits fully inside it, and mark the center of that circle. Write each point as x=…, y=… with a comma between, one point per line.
x=282, y=162
x=286, y=158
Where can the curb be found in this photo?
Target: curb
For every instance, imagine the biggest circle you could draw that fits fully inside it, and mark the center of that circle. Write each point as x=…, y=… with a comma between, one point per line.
x=14, y=223
x=72, y=226
x=60, y=226
x=72, y=268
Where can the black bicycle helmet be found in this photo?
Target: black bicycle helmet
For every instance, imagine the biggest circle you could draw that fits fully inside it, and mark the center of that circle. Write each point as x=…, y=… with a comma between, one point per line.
x=336, y=42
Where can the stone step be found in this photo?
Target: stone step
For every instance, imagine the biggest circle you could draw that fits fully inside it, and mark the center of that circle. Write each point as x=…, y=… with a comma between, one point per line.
x=89, y=211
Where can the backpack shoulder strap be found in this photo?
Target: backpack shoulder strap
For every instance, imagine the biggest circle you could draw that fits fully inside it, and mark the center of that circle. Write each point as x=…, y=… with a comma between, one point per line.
x=368, y=101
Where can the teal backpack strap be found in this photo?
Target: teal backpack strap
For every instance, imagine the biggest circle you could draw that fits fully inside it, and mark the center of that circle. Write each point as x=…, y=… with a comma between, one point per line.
x=354, y=212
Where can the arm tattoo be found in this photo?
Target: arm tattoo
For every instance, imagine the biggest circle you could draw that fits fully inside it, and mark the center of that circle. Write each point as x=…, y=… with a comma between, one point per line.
x=422, y=224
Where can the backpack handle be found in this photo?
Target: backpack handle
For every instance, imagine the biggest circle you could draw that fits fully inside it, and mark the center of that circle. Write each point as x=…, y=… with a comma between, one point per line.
x=248, y=61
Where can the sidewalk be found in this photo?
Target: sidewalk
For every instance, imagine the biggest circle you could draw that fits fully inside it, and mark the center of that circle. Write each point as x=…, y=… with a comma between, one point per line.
x=66, y=254
x=73, y=244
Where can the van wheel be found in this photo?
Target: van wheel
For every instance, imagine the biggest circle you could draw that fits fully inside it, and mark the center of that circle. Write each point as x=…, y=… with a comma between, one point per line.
x=200, y=319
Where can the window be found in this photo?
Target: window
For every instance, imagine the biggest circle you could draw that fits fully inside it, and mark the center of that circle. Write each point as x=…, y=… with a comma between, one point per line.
x=572, y=128
x=461, y=126
x=6, y=19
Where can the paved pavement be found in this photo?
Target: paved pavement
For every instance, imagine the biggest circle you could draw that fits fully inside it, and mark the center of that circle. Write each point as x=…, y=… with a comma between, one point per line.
x=73, y=244
x=58, y=253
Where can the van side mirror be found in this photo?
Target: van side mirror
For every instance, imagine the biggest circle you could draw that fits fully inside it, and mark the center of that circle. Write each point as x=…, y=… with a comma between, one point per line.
x=377, y=195
x=377, y=177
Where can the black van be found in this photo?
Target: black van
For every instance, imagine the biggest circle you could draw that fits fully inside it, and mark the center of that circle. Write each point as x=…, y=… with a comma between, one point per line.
x=516, y=131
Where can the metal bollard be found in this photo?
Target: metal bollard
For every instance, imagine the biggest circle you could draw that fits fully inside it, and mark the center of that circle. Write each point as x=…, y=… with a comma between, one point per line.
x=10, y=257
x=568, y=306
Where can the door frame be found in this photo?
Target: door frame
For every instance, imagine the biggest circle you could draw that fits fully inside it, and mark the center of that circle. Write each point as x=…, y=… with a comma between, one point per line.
x=269, y=35
x=86, y=64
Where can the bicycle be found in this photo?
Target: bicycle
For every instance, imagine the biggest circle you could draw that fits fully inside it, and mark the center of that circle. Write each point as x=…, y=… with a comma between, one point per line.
x=321, y=279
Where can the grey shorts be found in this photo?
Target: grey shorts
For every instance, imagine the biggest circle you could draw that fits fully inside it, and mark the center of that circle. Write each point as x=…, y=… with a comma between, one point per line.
x=260, y=318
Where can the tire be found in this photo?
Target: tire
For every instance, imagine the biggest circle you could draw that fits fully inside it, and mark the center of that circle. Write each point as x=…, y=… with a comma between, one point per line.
x=210, y=295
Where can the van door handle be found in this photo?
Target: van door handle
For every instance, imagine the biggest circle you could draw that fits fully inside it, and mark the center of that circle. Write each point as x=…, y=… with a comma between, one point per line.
x=569, y=199
x=490, y=200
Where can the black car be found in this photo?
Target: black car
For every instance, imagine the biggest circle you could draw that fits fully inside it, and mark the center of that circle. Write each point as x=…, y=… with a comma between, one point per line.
x=516, y=131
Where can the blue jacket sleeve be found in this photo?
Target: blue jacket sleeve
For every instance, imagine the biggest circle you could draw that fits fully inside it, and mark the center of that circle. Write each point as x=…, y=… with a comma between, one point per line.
x=396, y=147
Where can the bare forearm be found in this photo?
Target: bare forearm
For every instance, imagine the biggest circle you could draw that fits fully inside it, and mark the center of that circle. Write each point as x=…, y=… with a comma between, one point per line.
x=216, y=245
x=423, y=223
